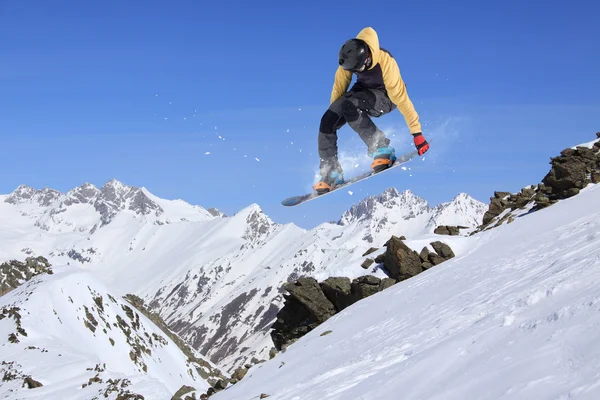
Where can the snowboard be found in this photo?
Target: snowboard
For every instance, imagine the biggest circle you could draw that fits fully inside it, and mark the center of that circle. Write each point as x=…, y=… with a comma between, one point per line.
x=400, y=160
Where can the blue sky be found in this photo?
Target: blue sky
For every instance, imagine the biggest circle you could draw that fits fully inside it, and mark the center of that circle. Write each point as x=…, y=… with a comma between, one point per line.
x=141, y=91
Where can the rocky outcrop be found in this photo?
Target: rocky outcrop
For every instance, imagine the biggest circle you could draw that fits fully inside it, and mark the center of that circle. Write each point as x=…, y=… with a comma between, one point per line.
x=215, y=212
x=571, y=171
x=448, y=230
x=207, y=371
x=309, y=303
x=14, y=273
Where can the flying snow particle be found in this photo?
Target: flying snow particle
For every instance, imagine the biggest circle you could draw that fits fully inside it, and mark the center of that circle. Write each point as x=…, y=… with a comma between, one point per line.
x=404, y=168
x=356, y=166
x=184, y=118
x=208, y=152
x=292, y=142
x=169, y=102
x=256, y=159
x=288, y=130
x=350, y=192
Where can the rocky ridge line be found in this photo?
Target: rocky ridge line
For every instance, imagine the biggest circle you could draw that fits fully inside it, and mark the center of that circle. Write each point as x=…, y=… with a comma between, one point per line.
x=309, y=303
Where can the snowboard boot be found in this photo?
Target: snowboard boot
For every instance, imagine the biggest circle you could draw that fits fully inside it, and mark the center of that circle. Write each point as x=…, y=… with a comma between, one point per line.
x=383, y=158
x=330, y=178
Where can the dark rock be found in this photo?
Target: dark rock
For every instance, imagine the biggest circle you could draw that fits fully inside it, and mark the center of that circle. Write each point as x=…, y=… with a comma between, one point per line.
x=365, y=286
x=571, y=171
x=401, y=261
x=424, y=254
x=447, y=230
x=272, y=353
x=443, y=250
x=239, y=373
x=32, y=383
x=367, y=263
x=371, y=250
x=386, y=283
x=496, y=208
x=309, y=293
x=435, y=259
x=182, y=391
x=386, y=244
x=598, y=135
x=221, y=384
x=426, y=265
x=338, y=291
x=380, y=258
x=305, y=308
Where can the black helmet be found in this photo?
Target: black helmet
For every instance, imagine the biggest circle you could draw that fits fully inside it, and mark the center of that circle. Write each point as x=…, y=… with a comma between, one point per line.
x=353, y=54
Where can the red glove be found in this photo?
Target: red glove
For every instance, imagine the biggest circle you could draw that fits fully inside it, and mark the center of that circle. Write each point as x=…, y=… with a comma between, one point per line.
x=420, y=143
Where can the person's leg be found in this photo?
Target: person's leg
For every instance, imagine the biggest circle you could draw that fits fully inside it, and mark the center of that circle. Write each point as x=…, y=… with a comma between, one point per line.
x=331, y=122
x=357, y=110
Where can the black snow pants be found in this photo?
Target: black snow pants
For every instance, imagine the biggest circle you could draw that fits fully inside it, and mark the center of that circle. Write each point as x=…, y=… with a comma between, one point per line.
x=355, y=107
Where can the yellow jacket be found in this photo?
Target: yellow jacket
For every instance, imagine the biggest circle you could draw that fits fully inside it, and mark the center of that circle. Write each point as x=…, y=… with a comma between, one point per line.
x=396, y=89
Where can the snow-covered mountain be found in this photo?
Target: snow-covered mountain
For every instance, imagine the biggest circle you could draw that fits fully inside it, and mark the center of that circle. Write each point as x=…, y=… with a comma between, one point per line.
x=516, y=317
x=405, y=213
x=65, y=335
x=87, y=208
x=214, y=279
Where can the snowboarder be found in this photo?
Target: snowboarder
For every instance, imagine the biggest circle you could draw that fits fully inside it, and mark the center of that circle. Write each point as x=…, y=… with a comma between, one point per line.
x=378, y=90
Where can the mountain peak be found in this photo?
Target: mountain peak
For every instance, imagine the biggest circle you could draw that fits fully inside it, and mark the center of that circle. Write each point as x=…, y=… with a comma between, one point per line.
x=115, y=196
x=462, y=210
x=257, y=224
x=371, y=207
x=27, y=194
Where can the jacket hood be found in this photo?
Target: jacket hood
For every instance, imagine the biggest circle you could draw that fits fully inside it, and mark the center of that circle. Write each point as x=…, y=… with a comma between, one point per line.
x=370, y=37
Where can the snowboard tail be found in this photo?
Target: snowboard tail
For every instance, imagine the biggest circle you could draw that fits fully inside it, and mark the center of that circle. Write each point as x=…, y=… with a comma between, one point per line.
x=296, y=200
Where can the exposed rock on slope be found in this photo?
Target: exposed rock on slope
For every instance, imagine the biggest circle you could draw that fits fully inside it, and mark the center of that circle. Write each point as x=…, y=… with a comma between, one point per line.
x=68, y=337
x=309, y=303
x=14, y=273
x=571, y=171
x=209, y=372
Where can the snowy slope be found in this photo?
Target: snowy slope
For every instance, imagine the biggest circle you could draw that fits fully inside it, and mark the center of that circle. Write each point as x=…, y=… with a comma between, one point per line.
x=214, y=279
x=514, y=317
x=65, y=329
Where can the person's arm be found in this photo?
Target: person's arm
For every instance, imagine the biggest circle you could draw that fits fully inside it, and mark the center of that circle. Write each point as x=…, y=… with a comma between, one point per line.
x=340, y=83
x=396, y=89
